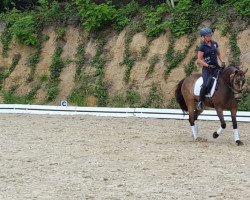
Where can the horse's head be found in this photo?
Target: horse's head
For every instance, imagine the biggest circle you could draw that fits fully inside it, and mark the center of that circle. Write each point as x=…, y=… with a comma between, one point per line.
x=237, y=81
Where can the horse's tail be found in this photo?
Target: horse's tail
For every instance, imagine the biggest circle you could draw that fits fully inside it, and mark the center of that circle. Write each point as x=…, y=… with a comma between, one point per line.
x=179, y=97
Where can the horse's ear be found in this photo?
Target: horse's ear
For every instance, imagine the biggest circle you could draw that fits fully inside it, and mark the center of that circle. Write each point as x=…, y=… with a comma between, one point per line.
x=245, y=71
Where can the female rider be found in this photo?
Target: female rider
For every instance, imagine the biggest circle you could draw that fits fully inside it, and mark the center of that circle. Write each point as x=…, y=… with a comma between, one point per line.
x=207, y=57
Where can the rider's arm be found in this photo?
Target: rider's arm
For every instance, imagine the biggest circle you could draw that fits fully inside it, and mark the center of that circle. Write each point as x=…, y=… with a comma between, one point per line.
x=220, y=55
x=200, y=59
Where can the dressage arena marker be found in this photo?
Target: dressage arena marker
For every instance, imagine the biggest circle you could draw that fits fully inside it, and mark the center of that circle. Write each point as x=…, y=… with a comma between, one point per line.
x=116, y=112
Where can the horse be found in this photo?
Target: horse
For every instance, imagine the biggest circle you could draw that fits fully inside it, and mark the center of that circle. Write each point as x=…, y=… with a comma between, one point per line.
x=227, y=95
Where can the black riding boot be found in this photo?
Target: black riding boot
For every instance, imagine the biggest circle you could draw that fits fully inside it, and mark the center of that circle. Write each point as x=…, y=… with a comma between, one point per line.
x=199, y=105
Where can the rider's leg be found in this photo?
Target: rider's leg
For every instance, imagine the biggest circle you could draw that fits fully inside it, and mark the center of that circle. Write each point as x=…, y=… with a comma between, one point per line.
x=205, y=76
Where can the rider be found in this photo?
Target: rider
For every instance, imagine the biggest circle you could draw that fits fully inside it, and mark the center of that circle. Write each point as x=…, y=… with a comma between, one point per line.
x=207, y=57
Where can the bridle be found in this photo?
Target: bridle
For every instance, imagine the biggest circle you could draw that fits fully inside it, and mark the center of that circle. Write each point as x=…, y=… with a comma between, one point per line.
x=237, y=93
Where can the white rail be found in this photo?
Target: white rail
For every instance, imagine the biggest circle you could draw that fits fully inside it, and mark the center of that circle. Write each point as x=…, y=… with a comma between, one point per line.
x=115, y=112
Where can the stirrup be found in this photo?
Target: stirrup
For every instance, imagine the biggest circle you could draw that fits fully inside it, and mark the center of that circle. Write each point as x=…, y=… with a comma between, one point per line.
x=199, y=105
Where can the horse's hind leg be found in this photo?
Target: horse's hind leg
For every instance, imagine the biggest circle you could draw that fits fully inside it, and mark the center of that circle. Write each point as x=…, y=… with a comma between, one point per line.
x=222, y=121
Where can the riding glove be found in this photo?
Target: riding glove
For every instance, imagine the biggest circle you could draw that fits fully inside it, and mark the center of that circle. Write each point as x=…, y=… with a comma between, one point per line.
x=211, y=66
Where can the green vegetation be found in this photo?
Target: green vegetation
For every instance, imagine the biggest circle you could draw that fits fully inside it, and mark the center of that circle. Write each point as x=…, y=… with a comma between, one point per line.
x=55, y=71
x=190, y=67
x=155, y=97
x=11, y=98
x=133, y=98
x=24, y=31
x=60, y=33
x=128, y=58
x=244, y=105
x=243, y=7
x=100, y=90
x=6, y=38
x=5, y=72
x=152, y=62
x=235, y=50
x=155, y=19
x=33, y=61
x=24, y=24
x=172, y=58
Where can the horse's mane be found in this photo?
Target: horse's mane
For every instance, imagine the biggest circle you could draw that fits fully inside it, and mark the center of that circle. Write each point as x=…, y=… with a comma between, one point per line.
x=231, y=67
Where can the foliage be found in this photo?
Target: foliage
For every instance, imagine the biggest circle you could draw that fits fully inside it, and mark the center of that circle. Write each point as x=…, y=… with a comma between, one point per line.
x=173, y=104
x=100, y=89
x=11, y=98
x=243, y=7
x=172, y=58
x=128, y=58
x=24, y=31
x=101, y=92
x=155, y=19
x=223, y=26
x=48, y=13
x=144, y=51
x=181, y=22
x=244, y=105
x=83, y=88
x=152, y=62
x=117, y=101
x=6, y=39
x=43, y=77
x=129, y=62
x=1, y=77
x=60, y=33
x=235, y=50
x=95, y=16
x=55, y=71
x=14, y=63
x=190, y=67
x=52, y=91
x=132, y=98
x=155, y=97
x=33, y=61
x=206, y=6
x=80, y=58
x=57, y=64
x=124, y=14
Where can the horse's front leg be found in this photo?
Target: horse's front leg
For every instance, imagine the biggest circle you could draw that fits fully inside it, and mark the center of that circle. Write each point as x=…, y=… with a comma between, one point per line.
x=222, y=121
x=235, y=129
x=193, y=115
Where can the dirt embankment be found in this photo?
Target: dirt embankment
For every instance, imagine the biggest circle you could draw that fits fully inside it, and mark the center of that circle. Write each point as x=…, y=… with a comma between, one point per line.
x=114, y=71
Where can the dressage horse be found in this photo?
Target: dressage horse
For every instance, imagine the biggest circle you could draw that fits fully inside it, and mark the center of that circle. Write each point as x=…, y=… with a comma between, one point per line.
x=227, y=96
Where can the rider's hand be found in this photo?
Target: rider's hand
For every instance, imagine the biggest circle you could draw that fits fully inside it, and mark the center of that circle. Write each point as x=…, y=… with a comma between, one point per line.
x=223, y=65
x=211, y=66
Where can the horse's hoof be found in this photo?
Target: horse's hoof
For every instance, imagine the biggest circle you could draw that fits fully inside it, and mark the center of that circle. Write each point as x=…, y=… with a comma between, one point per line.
x=215, y=135
x=239, y=143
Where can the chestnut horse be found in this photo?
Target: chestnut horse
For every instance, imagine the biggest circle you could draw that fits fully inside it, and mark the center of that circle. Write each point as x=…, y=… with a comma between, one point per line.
x=227, y=96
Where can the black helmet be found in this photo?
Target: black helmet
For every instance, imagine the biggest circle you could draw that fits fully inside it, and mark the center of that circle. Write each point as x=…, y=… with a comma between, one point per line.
x=205, y=31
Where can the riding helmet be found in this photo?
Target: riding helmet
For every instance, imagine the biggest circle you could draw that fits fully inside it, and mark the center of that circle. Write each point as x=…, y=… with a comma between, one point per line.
x=205, y=31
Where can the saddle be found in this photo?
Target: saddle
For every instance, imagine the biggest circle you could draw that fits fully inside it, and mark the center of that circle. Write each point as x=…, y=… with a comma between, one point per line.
x=210, y=87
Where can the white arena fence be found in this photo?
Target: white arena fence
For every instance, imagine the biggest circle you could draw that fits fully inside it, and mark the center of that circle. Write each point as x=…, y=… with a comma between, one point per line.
x=115, y=112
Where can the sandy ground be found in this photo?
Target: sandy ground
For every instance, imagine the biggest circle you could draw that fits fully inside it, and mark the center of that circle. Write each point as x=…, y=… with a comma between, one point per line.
x=86, y=157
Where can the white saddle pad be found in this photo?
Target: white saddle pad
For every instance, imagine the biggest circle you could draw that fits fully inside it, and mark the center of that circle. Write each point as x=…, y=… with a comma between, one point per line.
x=198, y=84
